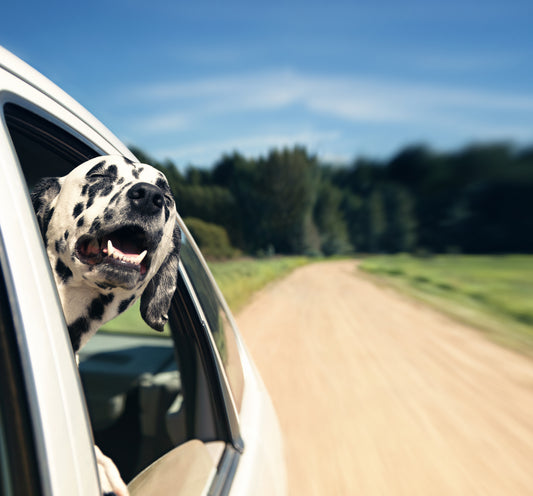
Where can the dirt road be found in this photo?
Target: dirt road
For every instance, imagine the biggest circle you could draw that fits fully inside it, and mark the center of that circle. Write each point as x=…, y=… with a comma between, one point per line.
x=378, y=395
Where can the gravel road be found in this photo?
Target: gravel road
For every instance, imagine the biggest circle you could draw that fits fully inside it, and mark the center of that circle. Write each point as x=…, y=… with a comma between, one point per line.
x=379, y=395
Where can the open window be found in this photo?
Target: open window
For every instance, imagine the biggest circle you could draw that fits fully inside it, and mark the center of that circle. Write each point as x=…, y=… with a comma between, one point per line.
x=154, y=401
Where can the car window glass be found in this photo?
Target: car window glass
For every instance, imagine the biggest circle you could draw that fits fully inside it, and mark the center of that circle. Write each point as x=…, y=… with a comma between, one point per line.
x=217, y=319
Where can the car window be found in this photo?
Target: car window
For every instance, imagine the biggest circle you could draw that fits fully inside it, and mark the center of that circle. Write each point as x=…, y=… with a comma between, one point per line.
x=146, y=392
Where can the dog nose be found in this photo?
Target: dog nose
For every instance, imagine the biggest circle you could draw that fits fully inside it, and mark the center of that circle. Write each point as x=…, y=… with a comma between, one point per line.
x=146, y=198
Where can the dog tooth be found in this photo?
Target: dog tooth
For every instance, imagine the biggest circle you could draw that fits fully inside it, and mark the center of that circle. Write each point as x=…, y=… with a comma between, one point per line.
x=110, y=248
x=140, y=258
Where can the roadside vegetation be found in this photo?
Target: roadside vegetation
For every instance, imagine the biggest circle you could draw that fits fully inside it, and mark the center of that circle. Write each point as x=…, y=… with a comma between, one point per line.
x=240, y=279
x=494, y=293
x=289, y=202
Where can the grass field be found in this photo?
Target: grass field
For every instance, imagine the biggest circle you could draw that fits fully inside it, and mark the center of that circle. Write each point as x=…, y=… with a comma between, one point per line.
x=494, y=293
x=240, y=279
x=237, y=279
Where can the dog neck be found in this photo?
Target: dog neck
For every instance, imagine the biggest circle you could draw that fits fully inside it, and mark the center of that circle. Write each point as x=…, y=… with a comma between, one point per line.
x=86, y=310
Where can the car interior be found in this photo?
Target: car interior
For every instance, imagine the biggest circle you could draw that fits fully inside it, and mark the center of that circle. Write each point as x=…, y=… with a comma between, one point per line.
x=151, y=397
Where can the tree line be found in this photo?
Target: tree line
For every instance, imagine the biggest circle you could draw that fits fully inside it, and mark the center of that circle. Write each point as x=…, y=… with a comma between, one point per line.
x=474, y=200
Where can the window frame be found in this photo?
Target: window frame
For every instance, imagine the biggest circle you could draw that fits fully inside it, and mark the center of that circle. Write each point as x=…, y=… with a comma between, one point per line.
x=227, y=426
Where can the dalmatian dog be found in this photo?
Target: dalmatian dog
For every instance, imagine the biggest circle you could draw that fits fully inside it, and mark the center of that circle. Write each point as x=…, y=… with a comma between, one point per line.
x=111, y=235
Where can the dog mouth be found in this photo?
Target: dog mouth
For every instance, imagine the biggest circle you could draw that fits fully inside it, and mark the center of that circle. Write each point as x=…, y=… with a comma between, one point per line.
x=123, y=249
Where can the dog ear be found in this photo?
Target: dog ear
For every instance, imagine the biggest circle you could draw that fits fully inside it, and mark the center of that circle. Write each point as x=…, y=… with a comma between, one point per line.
x=156, y=298
x=42, y=195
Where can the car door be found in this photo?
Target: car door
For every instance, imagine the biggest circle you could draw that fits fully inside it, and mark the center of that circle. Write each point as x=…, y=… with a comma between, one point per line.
x=186, y=387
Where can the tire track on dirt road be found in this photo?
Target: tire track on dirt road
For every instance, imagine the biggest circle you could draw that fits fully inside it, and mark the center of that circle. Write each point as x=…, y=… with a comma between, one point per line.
x=379, y=395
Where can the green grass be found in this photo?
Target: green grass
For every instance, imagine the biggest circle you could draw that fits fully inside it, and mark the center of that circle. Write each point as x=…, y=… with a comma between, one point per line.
x=237, y=279
x=494, y=293
x=240, y=279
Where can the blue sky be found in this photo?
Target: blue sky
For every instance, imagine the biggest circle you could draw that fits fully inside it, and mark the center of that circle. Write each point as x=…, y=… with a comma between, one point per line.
x=192, y=80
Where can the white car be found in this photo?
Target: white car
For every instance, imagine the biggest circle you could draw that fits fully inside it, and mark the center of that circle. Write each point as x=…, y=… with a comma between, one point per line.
x=186, y=413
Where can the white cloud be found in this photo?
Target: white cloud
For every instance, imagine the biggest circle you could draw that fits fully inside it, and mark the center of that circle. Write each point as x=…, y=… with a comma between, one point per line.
x=354, y=99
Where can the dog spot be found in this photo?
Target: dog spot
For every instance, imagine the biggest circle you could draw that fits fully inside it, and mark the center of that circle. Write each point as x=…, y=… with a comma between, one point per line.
x=84, y=189
x=107, y=190
x=78, y=209
x=115, y=197
x=96, y=225
x=76, y=330
x=124, y=304
x=46, y=221
x=112, y=172
x=162, y=184
x=120, y=181
x=60, y=246
x=66, y=235
x=167, y=213
x=80, y=222
x=63, y=271
x=108, y=215
x=97, y=306
x=96, y=169
x=136, y=173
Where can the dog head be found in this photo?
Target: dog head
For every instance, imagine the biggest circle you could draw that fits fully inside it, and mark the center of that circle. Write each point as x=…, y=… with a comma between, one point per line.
x=111, y=235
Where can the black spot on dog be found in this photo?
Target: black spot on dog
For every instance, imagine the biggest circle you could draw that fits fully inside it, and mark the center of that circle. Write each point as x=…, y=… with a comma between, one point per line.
x=107, y=190
x=97, y=306
x=115, y=197
x=84, y=189
x=108, y=215
x=79, y=327
x=124, y=304
x=112, y=172
x=60, y=245
x=121, y=180
x=63, y=271
x=78, y=209
x=167, y=213
x=80, y=222
x=136, y=173
x=96, y=169
x=46, y=221
x=96, y=225
x=66, y=235
x=162, y=184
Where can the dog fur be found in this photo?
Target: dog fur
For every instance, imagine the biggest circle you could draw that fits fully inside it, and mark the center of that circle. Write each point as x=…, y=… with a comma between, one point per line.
x=111, y=235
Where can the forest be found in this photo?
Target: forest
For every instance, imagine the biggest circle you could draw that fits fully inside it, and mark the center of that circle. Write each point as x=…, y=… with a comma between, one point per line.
x=474, y=200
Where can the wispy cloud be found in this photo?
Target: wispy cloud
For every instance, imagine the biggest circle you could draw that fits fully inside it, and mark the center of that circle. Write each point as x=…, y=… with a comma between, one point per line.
x=355, y=99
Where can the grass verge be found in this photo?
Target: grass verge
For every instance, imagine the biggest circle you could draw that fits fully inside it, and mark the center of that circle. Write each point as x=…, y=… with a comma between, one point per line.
x=240, y=279
x=492, y=293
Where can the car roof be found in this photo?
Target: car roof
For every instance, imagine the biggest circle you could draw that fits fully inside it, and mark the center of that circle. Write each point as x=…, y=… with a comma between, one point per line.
x=17, y=67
